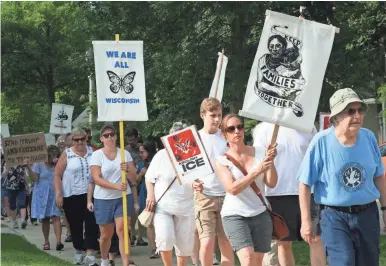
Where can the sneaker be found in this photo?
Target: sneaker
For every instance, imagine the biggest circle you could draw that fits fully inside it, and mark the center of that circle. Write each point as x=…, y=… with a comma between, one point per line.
x=68, y=239
x=15, y=225
x=78, y=259
x=104, y=262
x=23, y=224
x=90, y=260
x=35, y=223
x=215, y=260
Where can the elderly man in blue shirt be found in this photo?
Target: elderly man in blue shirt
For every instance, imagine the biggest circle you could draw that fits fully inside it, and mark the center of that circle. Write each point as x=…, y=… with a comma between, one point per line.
x=343, y=165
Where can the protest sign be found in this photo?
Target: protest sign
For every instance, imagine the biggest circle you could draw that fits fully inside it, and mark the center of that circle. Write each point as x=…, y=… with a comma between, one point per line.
x=120, y=80
x=4, y=130
x=61, y=117
x=217, y=89
x=17, y=148
x=324, y=121
x=187, y=154
x=287, y=74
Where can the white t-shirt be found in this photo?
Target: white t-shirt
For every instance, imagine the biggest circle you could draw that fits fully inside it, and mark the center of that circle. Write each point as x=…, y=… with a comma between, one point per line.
x=111, y=171
x=246, y=203
x=178, y=200
x=215, y=145
x=291, y=148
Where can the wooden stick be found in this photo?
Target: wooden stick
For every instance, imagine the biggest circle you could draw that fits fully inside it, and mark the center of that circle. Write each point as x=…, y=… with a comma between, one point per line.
x=219, y=73
x=124, y=181
x=274, y=134
x=171, y=161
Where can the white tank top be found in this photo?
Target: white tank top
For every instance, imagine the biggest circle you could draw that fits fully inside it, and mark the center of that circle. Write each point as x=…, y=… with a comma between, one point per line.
x=77, y=173
x=246, y=203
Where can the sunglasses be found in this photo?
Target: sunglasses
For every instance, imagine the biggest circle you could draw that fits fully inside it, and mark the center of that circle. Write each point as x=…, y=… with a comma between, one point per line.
x=108, y=135
x=80, y=139
x=352, y=111
x=232, y=129
x=62, y=141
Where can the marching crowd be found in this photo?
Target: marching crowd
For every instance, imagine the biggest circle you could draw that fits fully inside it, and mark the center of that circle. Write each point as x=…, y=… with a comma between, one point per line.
x=323, y=184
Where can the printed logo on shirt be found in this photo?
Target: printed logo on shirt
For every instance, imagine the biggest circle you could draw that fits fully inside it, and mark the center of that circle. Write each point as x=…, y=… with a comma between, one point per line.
x=352, y=176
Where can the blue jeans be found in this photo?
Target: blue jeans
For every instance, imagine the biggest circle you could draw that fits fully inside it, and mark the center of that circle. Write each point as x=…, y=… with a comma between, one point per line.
x=351, y=239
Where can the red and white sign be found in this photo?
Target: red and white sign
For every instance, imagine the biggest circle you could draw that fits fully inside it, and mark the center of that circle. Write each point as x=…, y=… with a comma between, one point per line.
x=187, y=154
x=324, y=121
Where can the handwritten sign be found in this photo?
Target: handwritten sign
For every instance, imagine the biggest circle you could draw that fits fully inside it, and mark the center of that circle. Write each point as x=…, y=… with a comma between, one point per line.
x=17, y=148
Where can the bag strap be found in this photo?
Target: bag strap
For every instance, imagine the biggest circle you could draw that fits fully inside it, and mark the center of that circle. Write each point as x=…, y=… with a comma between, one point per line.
x=253, y=185
x=166, y=189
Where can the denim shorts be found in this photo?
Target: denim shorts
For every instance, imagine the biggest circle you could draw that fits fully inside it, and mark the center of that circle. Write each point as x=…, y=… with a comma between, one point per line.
x=253, y=231
x=17, y=196
x=106, y=210
x=351, y=239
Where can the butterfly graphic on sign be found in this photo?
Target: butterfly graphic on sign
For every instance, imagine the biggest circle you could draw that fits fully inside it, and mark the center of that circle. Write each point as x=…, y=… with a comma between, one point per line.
x=184, y=145
x=62, y=116
x=118, y=83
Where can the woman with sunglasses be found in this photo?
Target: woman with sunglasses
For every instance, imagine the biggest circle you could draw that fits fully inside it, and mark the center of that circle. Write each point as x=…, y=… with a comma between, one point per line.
x=71, y=178
x=344, y=168
x=246, y=221
x=43, y=197
x=106, y=170
x=146, y=152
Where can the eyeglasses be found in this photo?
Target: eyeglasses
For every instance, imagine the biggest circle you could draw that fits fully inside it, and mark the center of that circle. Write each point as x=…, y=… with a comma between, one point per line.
x=352, y=111
x=79, y=140
x=62, y=141
x=109, y=135
x=232, y=129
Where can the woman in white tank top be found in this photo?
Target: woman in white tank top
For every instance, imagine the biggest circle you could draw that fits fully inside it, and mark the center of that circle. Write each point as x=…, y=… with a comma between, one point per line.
x=72, y=174
x=246, y=222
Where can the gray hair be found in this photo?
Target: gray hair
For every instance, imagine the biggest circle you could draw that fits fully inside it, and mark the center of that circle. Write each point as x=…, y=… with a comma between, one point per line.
x=78, y=131
x=177, y=126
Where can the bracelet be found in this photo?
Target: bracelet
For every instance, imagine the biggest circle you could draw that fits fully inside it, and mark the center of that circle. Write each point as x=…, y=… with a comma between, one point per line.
x=383, y=208
x=133, y=185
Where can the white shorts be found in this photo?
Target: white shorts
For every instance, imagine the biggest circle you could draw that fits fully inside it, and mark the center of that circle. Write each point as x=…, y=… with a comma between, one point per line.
x=181, y=238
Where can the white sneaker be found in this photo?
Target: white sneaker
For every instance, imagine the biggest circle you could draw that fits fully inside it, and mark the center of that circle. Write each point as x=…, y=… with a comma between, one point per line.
x=215, y=260
x=90, y=260
x=104, y=262
x=78, y=259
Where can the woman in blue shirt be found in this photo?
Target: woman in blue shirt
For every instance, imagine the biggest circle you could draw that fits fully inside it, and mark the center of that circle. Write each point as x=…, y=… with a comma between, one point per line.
x=343, y=166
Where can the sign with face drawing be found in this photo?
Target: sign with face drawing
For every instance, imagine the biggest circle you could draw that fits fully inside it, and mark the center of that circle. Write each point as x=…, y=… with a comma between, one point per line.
x=187, y=154
x=61, y=118
x=287, y=74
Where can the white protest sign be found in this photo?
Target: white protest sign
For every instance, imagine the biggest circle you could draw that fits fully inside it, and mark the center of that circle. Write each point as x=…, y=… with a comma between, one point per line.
x=5, y=131
x=287, y=74
x=120, y=80
x=187, y=154
x=61, y=117
x=218, y=81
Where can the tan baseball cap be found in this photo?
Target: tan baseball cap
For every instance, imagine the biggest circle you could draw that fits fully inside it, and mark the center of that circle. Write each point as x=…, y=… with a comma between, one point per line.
x=341, y=98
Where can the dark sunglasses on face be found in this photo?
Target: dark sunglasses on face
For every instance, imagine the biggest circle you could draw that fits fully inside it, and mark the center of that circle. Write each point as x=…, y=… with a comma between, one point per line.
x=232, y=129
x=79, y=139
x=108, y=135
x=353, y=111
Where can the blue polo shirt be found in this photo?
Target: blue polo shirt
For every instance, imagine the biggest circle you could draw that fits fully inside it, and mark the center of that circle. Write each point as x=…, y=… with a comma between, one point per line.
x=342, y=176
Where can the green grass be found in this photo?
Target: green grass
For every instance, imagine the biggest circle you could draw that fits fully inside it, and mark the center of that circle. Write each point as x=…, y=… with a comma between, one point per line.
x=15, y=250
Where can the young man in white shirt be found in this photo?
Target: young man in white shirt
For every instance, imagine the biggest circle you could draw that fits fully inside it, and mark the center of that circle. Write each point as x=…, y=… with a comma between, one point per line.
x=209, y=193
x=284, y=198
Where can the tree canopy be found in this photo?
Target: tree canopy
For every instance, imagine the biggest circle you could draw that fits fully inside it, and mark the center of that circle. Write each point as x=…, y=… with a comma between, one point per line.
x=46, y=48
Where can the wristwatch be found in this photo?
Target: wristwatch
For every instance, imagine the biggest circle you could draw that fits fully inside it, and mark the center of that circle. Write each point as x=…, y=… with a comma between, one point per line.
x=383, y=208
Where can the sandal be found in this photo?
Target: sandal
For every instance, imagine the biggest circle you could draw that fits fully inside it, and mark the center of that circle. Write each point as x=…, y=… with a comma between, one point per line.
x=154, y=255
x=46, y=246
x=111, y=263
x=141, y=242
x=132, y=263
x=59, y=246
